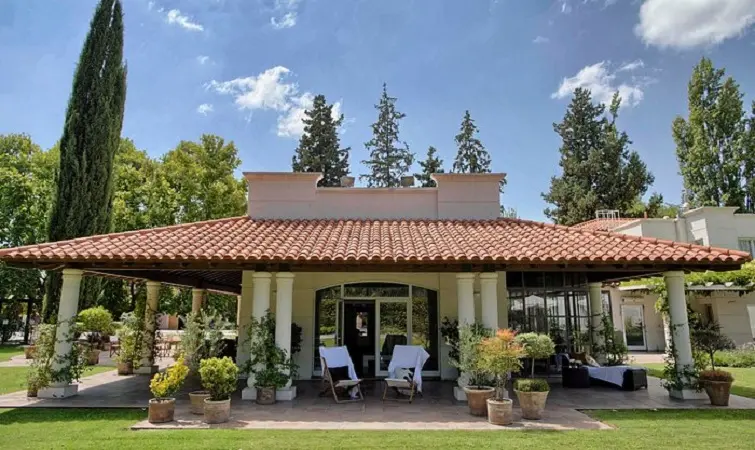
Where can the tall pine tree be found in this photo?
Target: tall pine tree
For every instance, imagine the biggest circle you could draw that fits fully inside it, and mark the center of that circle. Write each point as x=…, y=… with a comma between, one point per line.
x=471, y=156
x=91, y=135
x=715, y=145
x=319, y=147
x=598, y=170
x=390, y=158
x=432, y=164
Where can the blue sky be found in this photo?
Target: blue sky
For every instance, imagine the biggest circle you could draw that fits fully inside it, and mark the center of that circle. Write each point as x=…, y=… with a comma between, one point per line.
x=244, y=69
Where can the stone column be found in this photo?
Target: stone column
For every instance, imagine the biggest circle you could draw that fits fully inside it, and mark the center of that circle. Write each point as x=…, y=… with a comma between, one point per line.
x=284, y=282
x=503, y=301
x=244, y=317
x=465, y=298
x=67, y=310
x=489, y=299
x=677, y=305
x=147, y=364
x=260, y=304
x=197, y=300
x=596, y=311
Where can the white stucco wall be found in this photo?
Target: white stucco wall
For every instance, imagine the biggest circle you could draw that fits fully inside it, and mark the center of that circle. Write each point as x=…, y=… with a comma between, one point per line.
x=654, y=336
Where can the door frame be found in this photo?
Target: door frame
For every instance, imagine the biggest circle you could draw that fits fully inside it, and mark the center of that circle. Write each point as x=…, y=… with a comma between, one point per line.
x=643, y=347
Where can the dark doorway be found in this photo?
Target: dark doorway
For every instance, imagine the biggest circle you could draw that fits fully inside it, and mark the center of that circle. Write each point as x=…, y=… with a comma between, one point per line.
x=359, y=335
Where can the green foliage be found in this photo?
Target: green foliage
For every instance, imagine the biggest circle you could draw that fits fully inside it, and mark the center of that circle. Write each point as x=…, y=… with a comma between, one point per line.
x=535, y=346
x=449, y=330
x=130, y=339
x=202, y=339
x=319, y=147
x=432, y=164
x=296, y=338
x=598, y=169
x=219, y=377
x=499, y=355
x=708, y=338
x=91, y=136
x=39, y=374
x=715, y=144
x=532, y=385
x=166, y=384
x=734, y=358
x=468, y=362
x=270, y=365
x=610, y=344
x=716, y=375
x=97, y=320
x=10, y=320
x=471, y=156
x=390, y=158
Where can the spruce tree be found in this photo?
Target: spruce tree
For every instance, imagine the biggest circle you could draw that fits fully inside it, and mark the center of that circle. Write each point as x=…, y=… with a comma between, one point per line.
x=390, y=158
x=319, y=147
x=432, y=164
x=598, y=169
x=91, y=135
x=471, y=156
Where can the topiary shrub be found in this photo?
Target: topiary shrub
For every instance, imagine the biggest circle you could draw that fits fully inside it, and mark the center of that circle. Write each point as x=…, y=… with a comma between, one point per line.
x=715, y=375
x=97, y=321
x=532, y=385
x=536, y=346
x=219, y=377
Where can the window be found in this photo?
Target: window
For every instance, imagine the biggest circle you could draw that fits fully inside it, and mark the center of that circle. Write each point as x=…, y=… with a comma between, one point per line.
x=747, y=245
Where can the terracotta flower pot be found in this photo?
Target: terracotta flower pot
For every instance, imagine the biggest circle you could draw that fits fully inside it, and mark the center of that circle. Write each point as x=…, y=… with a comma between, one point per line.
x=31, y=392
x=93, y=356
x=197, y=401
x=124, y=368
x=500, y=412
x=532, y=404
x=718, y=392
x=265, y=396
x=217, y=411
x=476, y=399
x=29, y=351
x=161, y=410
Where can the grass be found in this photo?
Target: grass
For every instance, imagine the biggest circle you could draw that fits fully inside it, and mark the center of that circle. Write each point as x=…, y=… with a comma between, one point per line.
x=8, y=351
x=744, y=379
x=94, y=429
x=13, y=379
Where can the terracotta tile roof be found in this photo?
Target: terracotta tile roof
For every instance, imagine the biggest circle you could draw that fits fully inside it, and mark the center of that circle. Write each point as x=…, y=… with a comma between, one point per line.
x=253, y=240
x=602, y=224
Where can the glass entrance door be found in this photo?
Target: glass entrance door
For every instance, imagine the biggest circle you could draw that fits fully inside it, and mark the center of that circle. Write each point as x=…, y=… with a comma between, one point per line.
x=634, y=326
x=393, y=329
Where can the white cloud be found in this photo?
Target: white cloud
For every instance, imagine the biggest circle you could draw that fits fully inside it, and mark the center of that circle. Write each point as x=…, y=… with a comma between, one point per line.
x=174, y=17
x=285, y=14
x=685, y=24
x=203, y=59
x=290, y=124
x=205, y=108
x=603, y=83
x=566, y=5
x=541, y=40
x=287, y=21
x=630, y=66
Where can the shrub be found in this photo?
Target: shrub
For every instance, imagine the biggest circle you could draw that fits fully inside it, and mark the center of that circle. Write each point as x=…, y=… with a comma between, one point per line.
x=708, y=338
x=130, y=339
x=532, y=385
x=470, y=337
x=97, y=320
x=536, y=346
x=499, y=355
x=270, y=365
x=165, y=385
x=219, y=377
x=201, y=339
x=735, y=358
x=715, y=375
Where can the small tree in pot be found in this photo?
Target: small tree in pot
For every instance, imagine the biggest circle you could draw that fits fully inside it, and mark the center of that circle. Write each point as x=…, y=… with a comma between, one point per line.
x=130, y=342
x=39, y=375
x=97, y=323
x=201, y=339
x=500, y=355
x=717, y=383
x=163, y=387
x=219, y=377
x=475, y=381
x=270, y=366
x=533, y=394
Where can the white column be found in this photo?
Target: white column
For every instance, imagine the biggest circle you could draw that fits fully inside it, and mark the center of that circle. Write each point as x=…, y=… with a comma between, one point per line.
x=489, y=299
x=260, y=304
x=284, y=283
x=596, y=310
x=147, y=364
x=197, y=300
x=244, y=317
x=503, y=301
x=67, y=310
x=677, y=305
x=465, y=298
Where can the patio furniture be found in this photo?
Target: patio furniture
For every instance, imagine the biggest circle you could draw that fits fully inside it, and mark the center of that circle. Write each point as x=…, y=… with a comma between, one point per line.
x=573, y=375
x=115, y=346
x=405, y=371
x=339, y=375
x=635, y=378
x=625, y=377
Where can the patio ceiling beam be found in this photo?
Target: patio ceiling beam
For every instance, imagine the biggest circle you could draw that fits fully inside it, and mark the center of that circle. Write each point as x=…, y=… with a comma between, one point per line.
x=169, y=278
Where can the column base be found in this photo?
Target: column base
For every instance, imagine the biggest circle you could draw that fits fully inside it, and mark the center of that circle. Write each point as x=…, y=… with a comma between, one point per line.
x=687, y=394
x=65, y=391
x=281, y=395
x=147, y=370
x=459, y=394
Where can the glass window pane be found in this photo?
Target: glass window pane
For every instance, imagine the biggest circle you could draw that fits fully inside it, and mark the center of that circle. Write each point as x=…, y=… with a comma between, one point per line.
x=425, y=323
x=517, y=318
x=372, y=290
x=536, y=315
x=325, y=320
x=393, y=330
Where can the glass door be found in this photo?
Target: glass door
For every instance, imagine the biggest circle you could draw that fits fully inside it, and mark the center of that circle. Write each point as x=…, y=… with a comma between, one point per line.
x=393, y=329
x=634, y=326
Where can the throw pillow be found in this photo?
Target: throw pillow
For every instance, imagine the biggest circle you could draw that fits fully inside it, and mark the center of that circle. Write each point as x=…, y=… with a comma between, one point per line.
x=339, y=373
x=591, y=361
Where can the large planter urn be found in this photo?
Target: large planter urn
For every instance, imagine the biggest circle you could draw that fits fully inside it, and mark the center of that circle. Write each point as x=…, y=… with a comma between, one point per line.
x=124, y=368
x=265, y=396
x=217, y=411
x=93, y=356
x=29, y=351
x=476, y=399
x=161, y=410
x=718, y=392
x=500, y=412
x=532, y=404
x=197, y=401
x=31, y=391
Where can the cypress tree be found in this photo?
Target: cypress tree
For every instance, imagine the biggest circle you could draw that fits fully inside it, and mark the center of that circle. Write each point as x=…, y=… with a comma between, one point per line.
x=319, y=147
x=472, y=156
x=390, y=158
x=432, y=164
x=91, y=135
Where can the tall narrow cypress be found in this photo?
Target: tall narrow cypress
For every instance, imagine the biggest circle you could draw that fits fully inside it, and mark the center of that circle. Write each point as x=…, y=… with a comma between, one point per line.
x=91, y=135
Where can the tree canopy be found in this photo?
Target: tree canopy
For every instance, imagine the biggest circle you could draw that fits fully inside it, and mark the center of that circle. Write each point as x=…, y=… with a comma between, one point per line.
x=471, y=156
x=432, y=164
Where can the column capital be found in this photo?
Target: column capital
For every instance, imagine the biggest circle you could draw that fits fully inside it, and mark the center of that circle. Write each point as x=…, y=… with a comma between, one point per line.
x=196, y=290
x=284, y=276
x=465, y=276
x=153, y=284
x=488, y=276
x=73, y=273
x=262, y=275
x=673, y=274
x=595, y=284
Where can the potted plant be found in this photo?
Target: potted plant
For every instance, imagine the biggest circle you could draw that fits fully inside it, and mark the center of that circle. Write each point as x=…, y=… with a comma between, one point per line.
x=39, y=374
x=533, y=394
x=96, y=322
x=129, y=338
x=200, y=340
x=717, y=383
x=163, y=387
x=29, y=351
x=219, y=379
x=474, y=380
x=449, y=331
x=270, y=366
x=500, y=355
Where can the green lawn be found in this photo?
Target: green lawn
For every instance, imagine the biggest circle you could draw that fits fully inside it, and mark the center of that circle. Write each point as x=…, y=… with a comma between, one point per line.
x=95, y=429
x=8, y=351
x=13, y=379
x=744, y=379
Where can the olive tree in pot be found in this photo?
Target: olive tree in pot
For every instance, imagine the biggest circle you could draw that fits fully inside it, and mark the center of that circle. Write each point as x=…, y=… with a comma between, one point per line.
x=533, y=394
x=201, y=339
x=39, y=374
x=163, y=387
x=475, y=381
x=717, y=383
x=97, y=323
x=130, y=341
x=499, y=356
x=219, y=379
x=270, y=366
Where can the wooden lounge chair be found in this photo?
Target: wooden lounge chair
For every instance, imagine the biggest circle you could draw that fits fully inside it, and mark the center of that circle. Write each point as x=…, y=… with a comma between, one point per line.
x=405, y=372
x=348, y=385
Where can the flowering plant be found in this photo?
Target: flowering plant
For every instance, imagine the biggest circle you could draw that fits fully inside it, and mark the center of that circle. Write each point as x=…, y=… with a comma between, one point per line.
x=499, y=356
x=165, y=385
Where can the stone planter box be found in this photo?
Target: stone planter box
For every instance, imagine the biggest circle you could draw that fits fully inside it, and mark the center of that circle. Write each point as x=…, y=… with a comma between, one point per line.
x=476, y=399
x=217, y=411
x=197, y=401
x=532, y=404
x=500, y=412
x=718, y=392
x=161, y=410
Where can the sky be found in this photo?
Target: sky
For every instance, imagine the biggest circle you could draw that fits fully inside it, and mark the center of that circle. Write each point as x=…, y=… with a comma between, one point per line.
x=247, y=69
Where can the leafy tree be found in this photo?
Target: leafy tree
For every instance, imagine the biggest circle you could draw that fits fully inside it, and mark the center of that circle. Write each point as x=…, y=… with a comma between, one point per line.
x=715, y=144
x=432, y=164
x=655, y=207
x=319, y=147
x=471, y=156
x=598, y=169
x=90, y=138
x=390, y=158
x=509, y=213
